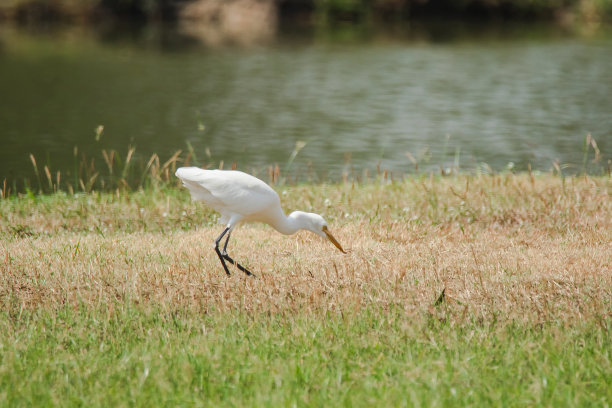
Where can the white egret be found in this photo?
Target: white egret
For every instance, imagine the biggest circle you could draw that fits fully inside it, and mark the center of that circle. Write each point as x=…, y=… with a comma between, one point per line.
x=240, y=197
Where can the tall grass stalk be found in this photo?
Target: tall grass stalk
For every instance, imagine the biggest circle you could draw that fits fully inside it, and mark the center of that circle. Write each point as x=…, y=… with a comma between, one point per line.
x=33, y=160
x=128, y=160
x=299, y=145
x=75, y=169
x=192, y=154
x=589, y=143
x=132, y=172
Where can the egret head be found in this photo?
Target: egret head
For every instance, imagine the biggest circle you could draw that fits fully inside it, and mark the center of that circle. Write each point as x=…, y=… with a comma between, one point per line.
x=316, y=223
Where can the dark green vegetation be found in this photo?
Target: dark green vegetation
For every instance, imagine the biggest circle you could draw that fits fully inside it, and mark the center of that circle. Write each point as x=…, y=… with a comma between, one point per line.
x=324, y=10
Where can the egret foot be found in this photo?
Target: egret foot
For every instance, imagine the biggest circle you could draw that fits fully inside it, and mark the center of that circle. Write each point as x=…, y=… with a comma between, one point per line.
x=242, y=268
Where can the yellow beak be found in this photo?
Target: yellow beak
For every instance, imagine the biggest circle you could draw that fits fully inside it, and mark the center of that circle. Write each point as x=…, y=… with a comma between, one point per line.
x=333, y=240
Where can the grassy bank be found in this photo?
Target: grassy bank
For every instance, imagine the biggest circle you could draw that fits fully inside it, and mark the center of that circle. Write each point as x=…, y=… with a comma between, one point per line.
x=118, y=298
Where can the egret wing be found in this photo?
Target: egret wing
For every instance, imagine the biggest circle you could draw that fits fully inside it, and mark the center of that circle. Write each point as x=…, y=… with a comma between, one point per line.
x=229, y=192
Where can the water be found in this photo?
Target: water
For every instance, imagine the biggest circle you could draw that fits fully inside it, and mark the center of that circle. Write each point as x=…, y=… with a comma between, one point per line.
x=525, y=99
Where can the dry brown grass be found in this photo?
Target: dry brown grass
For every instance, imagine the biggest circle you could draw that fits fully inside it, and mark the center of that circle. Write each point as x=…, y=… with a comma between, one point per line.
x=503, y=248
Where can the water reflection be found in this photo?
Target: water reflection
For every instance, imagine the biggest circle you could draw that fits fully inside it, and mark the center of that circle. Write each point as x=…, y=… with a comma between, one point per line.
x=377, y=97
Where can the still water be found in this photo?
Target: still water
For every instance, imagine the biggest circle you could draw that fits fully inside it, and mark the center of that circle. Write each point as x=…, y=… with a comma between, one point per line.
x=525, y=99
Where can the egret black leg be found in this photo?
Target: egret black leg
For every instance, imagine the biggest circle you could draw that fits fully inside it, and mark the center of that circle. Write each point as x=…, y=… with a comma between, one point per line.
x=224, y=256
x=225, y=245
x=219, y=252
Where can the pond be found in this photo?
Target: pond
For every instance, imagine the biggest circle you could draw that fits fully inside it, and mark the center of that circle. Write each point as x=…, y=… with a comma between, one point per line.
x=527, y=96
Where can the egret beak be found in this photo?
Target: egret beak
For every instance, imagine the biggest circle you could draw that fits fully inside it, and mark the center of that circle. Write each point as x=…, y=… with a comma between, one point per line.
x=333, y=240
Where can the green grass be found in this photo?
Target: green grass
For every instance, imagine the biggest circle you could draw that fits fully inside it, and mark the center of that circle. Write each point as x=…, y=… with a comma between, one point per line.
x=138, y=357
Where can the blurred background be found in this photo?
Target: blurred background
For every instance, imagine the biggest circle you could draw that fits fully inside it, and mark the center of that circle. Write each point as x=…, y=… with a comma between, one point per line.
x=322, y=88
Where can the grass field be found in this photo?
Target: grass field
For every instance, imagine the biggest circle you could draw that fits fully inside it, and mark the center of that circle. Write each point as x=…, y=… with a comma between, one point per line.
x=118, y=299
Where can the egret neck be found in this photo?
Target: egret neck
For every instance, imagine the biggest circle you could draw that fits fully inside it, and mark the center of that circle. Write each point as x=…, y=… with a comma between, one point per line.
x=289, y=225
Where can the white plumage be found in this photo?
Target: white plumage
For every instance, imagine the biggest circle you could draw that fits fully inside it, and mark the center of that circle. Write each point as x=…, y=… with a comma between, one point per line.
x=240, y=197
